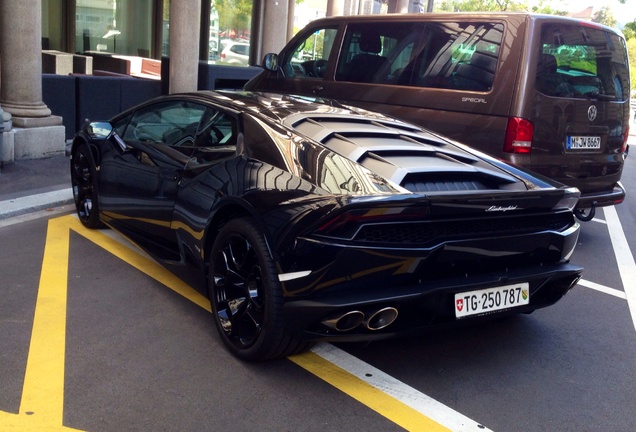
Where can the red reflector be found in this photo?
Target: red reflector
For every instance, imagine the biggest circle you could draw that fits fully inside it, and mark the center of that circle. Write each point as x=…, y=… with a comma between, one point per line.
x=519, y=134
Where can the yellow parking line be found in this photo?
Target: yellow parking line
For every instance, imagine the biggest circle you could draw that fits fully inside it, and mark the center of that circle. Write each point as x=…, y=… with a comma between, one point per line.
x=44, y=380
x=42, y=404
x=380, y=402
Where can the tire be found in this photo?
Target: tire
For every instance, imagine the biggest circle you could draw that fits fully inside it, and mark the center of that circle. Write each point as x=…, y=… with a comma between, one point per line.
x=84, y=184
x=246, y=296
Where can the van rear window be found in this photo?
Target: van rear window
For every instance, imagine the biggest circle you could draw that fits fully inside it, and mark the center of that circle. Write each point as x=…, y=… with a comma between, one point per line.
x=577, y=61
x=449, y=55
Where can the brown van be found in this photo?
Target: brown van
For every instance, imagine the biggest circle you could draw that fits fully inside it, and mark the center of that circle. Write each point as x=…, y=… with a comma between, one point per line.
x=544, y=92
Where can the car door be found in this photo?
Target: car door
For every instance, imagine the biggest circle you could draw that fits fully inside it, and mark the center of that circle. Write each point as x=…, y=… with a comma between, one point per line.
x=139, y=179
x=199, y=189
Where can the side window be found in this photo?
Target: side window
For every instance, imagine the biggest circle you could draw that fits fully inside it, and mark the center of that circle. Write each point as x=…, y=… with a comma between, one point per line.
x=458, y=56
x=120, y=125
x=240, y=49
x=308, y=59
x=380, y=54
x=375, y=53
x=173, y=123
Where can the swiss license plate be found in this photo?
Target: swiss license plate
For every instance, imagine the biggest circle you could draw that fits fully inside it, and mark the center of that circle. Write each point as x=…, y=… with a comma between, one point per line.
x=488, y=300
x=575, y=142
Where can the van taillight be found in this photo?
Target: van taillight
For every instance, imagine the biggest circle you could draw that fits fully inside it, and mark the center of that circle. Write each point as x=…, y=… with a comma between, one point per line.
x=625, y=138
x=519, y=135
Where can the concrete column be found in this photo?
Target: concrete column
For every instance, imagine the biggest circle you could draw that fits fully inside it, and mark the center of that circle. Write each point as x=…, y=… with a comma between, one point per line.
x=275, y=25
x=256, y=30
x=6, y=138
x=185, y=23
x=33, y=132
x=20, y=45
x=398, y=6
x=290, y=20
x=335, y=7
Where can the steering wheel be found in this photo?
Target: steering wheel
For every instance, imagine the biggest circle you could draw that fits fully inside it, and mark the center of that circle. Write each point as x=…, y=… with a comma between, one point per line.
x=217, y=133
x=319, y=68
x=205, y=139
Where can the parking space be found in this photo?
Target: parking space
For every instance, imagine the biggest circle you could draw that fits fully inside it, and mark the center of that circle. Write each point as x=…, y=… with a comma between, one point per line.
x=95, y=336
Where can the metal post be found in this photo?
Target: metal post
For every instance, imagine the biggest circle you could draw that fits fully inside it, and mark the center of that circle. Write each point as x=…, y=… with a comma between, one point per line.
x=1, y=135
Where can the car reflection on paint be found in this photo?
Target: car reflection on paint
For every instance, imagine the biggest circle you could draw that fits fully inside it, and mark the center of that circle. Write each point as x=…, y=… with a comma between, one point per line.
x=305, y=220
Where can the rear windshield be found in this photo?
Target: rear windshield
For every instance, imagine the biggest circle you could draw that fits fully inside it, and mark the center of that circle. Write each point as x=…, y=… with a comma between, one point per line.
x=449, y=55
x=577, y=61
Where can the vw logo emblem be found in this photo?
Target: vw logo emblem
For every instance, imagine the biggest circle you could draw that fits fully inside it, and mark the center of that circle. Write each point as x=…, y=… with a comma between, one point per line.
x=592, y=112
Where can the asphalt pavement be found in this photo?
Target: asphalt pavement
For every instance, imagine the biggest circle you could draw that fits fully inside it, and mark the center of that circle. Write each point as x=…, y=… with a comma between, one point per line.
x=568, y=367
x=34, y=184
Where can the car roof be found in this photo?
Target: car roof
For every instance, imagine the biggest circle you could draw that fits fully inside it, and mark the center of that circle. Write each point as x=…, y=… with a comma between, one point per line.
x=453, y=17
x=278, y=107
x=381, y=143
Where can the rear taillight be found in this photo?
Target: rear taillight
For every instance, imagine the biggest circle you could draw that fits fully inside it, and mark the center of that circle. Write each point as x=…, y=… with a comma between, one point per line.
x=625, y=138
x=519, y=134
x=569, y=201
x=347, y=223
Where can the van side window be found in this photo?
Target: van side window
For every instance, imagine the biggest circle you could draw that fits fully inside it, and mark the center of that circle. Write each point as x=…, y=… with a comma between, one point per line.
x=581, y=62
x=309, y=58
x=375, y=53
x=458, y=56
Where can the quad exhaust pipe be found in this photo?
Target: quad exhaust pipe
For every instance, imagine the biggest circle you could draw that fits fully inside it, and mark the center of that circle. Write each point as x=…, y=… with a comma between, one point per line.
x=382, y=318
x=374, y=321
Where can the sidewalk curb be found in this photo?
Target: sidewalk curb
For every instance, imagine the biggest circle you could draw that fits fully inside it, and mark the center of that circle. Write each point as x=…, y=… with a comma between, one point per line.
x=22, y=205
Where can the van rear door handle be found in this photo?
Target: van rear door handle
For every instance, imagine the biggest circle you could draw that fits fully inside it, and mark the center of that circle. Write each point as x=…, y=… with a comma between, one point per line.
x=316, y=89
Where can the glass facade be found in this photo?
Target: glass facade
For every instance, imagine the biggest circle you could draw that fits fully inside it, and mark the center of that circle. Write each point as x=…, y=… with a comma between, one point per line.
x=114, y=26
x=230, y=24
x=54, y=25
x=139, y=27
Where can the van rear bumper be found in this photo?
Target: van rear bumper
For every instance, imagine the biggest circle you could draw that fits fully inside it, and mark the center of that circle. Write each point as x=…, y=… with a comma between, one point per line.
x=602, y=199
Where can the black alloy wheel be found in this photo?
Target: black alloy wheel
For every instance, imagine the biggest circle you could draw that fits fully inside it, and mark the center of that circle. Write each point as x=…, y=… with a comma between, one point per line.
x=84, y=184
x=246, y=296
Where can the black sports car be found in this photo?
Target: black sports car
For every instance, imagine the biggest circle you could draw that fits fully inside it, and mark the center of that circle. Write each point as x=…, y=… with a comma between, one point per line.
x=306, y=220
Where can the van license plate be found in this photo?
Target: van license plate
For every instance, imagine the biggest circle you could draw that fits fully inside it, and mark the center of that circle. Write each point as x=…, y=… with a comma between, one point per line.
x=583, y=142
x=491, y=299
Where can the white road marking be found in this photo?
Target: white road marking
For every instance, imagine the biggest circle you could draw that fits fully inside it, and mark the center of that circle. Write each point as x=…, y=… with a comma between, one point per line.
x=14, y=220
x=624, y=258
x=602, y=288
x=409, y=396
x=21, y=205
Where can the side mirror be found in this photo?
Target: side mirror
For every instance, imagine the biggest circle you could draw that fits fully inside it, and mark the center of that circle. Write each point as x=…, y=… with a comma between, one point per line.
x=270, y=62
x=99, y=130
x=103, y=131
